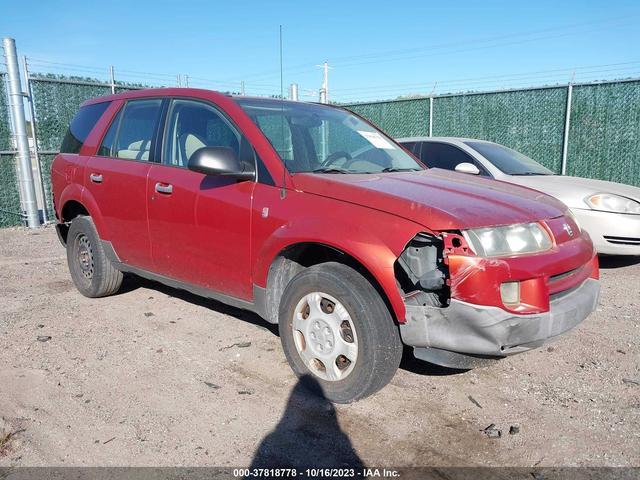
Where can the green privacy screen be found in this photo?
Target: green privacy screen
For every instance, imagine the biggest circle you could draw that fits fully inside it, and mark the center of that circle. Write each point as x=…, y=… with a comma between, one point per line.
x=531, y=122
x=10, y=212
x=56, y=103
x=5, y=127
x=604, y=133
x=604, y=136
x=402, y=118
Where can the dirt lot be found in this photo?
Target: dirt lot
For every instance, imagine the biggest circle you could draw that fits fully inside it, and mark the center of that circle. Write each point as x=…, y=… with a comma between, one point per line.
x=156, y=376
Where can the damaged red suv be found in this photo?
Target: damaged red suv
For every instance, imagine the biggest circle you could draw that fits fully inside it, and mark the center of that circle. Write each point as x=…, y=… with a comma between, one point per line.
x=311, y=217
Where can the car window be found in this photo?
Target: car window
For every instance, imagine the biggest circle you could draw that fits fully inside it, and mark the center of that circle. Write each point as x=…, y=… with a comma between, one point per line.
x=447, y=157
x=325, y=139
x=107, y=147
x=193, y=125
x=81, y=125
x=135, y=131
x=509, y=161
x=411, y=146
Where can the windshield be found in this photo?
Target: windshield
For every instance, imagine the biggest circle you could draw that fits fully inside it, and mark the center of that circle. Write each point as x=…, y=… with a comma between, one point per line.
x=509, y=161
x=324, y=139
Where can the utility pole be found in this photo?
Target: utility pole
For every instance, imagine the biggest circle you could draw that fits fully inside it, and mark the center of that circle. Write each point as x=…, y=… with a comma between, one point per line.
x=16, y=98
x=293, y=92
x=324, y=90
x=242, y=88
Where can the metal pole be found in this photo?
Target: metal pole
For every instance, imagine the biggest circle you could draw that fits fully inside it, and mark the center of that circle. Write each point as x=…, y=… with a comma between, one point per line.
x=34, y=138
x=567, y=123
x=186, y=80
x=178, y=80
x=242, y=90
x=431, y=116
x=293, y=92
x=20, y=131
x=112, y=77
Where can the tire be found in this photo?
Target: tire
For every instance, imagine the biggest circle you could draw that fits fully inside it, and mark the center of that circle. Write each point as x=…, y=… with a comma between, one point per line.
x=312, y=343
x=91, y=271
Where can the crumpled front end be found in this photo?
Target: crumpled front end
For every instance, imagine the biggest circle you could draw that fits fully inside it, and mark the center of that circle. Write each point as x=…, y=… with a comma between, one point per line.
x=457, y=311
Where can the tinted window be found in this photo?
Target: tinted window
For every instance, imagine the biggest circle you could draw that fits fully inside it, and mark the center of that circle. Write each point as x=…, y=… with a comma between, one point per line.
x=138, y=124
x=441, y=155
x=107, y=148
x=509, y=161
x=411, y=146
x=81, y=126
x=193, y=125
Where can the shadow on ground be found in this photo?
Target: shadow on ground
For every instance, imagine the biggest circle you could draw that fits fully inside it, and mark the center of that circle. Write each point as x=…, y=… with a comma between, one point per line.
x=133, y=282
x=617, y=261
x=307, y=435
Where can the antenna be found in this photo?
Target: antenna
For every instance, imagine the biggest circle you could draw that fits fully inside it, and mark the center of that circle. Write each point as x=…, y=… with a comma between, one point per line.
x=283, y=192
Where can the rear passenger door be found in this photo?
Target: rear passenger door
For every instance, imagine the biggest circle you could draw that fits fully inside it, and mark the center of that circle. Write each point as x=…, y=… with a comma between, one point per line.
x=200, y=225
x=117, y=178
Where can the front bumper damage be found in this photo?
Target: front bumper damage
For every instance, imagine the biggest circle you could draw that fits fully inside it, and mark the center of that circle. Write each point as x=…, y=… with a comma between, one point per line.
x=464, y=335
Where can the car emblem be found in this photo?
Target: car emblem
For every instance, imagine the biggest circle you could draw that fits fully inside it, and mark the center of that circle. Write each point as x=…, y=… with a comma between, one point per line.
x=567, y=228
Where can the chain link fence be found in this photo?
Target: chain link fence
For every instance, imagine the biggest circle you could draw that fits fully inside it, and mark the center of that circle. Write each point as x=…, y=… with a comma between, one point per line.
x=603, y=137
x=604, y=129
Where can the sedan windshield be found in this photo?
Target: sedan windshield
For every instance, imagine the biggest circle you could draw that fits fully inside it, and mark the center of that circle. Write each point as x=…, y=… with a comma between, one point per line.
x=509, y=161
x=324, y=139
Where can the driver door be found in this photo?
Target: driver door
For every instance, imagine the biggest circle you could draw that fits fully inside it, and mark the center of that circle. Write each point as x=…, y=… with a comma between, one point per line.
x=199, y=224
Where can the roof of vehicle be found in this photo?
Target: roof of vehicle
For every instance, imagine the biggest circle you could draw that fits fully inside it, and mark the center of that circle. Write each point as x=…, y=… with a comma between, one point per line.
x=439, y=139
x=176, y=91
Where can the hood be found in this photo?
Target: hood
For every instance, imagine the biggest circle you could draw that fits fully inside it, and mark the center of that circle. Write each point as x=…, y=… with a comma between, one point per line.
x=435, y=198
x=573, y=190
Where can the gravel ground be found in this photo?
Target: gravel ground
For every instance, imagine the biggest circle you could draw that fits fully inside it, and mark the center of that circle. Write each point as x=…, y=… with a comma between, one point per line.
x=156, y=376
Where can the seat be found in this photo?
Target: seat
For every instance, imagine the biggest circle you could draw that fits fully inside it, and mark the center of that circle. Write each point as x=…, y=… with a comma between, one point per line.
x=136, y=151
x=188, y=144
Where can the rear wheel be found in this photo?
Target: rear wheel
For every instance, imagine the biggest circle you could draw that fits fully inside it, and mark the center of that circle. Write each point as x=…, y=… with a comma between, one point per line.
x=91, y=271
x=335, y=326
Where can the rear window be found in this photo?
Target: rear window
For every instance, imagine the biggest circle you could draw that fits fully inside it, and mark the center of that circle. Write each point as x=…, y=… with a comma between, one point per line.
x=81, y=126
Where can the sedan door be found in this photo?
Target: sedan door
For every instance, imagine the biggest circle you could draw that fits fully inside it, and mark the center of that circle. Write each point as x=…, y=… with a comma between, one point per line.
x=117, y=179
x=199, y=225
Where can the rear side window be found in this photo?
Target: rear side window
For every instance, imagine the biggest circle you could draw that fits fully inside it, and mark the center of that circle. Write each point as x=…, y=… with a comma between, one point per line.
x=81, y=126
x=137, y=126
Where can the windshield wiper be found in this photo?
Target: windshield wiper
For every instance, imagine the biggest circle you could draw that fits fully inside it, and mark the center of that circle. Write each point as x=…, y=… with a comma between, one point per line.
x=397, y=169
x=331, y=170
x=528, y=173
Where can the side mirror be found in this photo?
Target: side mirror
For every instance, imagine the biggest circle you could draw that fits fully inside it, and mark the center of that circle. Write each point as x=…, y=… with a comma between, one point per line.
x=220, y=161
x=466, y=167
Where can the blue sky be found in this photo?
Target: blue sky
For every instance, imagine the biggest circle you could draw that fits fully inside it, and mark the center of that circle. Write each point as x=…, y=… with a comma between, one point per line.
x=378, y=49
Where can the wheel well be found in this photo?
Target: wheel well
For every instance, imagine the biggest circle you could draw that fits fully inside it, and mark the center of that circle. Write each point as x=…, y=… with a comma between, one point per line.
x=71, y=210
x=295, y=258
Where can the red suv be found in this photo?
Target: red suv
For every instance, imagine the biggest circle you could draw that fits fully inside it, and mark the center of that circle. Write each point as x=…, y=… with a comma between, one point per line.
x=311, y=217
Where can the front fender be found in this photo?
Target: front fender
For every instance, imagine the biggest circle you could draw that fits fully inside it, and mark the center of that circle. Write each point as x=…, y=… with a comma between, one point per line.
x=376, y=250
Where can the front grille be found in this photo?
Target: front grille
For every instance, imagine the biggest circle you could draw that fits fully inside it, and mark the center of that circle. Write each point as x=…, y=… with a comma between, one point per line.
x=622, y=240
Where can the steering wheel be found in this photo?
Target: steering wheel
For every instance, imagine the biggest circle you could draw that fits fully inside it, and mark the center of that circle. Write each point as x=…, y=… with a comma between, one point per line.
x=334, y=156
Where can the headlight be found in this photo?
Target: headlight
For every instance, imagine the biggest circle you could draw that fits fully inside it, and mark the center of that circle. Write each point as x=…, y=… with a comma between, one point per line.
x=508, y=240
x=608, y=202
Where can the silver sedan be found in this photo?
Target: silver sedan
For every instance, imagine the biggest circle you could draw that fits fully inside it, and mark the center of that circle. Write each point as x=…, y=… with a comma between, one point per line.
x=608, y=211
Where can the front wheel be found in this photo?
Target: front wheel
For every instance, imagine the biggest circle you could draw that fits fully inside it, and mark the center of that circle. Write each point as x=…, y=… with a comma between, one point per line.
x=335, y=326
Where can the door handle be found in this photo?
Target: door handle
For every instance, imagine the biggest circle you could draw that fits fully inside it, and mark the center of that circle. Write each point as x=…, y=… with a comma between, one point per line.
x=164, y=188
x=96, y=177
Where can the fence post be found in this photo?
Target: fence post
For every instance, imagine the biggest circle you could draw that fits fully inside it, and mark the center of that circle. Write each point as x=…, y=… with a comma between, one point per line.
x=112, y=77
x=34, y=137
x=431, y=116
x=20, y=131
x=567, y=123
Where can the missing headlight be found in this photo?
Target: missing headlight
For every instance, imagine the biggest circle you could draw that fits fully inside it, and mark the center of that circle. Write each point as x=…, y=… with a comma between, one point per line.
x=421, y=273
